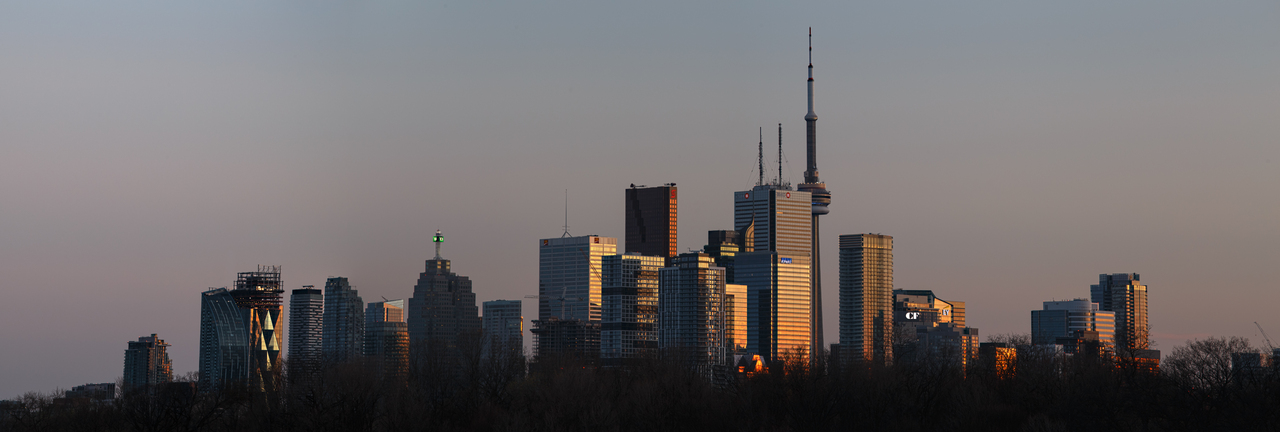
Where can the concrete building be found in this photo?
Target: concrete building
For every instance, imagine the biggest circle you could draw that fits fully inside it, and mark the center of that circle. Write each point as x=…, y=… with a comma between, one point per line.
x=651, y=220
x=629, y=322
x=1124, y=294
x=821, y=198
x=503, y=322
x=932, y=330
x=146, y=363
x=1072, y=319
x=343, y=335
x=866, y=299
x=306, y=331
x=693, y=316
x=776, y=222
x=386, y=340
x=443, y=307
x=239, y=338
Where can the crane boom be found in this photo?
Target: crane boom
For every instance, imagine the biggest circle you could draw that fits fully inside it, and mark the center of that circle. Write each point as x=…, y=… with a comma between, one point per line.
x=1264, y=336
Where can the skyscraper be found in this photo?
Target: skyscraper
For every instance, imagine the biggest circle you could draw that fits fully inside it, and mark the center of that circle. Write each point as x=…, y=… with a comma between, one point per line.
x=629, y=322
x=651, y=220
x=1068, y=319
x=866, y=298
x=821, y=199
x=239, y=342
x=776, y=222
x=1123, y=294
x=306, y=331
x=442, y=308
x=386, y=339
x=504, y=325
x=146, y=363
x=569, y=278
x=722, y=246
x=693, y=317
x=343, y=336
x=569, y=295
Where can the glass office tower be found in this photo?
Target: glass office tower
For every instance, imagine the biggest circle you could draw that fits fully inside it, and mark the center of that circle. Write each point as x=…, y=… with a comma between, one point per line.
x=866, y=299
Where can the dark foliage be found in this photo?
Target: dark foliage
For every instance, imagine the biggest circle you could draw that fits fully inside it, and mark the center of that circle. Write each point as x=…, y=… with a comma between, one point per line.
x=466, y=389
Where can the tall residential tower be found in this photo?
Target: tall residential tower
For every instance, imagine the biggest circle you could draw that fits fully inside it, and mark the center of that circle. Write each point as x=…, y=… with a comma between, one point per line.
x=306, y=331
x=343, y=337
x=866, y=299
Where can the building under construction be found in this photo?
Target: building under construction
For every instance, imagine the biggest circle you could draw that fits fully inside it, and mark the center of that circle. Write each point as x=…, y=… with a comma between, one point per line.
x=239, y=341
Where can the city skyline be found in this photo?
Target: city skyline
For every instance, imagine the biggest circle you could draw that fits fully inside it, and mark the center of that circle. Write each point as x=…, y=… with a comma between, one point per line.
x=1010, y=139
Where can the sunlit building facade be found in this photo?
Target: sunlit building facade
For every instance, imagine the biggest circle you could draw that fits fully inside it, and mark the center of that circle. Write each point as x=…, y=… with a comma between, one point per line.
x=570, y=290
x=932, y=330
x=866, y=299
x=629, y=321
x=1071, y=319
x=239, y=341
x=735, y=306
x=777, y=224
x=693, y=318
x=146, y=363
x=1124, y=294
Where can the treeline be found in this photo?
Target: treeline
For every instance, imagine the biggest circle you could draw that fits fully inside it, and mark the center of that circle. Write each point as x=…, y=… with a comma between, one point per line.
x=1196, y=389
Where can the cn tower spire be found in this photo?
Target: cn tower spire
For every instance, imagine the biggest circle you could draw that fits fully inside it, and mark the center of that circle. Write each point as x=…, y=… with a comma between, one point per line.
x=821, y=198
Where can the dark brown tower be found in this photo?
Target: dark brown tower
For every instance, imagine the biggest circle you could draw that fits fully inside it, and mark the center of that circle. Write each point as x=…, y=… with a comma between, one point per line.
x=651, y=220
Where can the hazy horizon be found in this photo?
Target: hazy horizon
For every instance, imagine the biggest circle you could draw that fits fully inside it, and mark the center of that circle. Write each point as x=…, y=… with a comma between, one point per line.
x=1014, y=151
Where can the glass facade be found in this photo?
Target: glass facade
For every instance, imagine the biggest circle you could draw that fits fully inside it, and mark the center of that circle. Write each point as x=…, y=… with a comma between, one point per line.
x=1064, y=319
x=693, y=317
x=442, y=309
x=343, y=335
x=146, y=363
x=777, y=302
x=1124, y=294
x=239, y=341
x=629, y=319
x=504, y=325
x=386, y=339
x=569, y=276
x=866, y=298
x=306, y=324
x=651, y=221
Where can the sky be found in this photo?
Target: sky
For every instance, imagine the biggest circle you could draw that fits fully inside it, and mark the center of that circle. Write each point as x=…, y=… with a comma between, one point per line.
x=1014, y=150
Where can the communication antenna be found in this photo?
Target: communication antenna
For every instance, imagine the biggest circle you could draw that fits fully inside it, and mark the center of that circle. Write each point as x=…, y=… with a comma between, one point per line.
x=566, y=214
x=438, y=240
x=760, y=159
x=779, y=154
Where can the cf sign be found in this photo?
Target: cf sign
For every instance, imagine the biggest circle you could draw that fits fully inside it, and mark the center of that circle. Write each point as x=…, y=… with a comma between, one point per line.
x=913, y=315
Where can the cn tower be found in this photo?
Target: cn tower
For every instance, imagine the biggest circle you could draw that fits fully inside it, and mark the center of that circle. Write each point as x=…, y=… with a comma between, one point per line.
x=821, y=198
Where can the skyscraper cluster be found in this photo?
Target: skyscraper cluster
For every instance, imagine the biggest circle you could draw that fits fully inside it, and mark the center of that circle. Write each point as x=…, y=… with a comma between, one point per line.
x=754, y=292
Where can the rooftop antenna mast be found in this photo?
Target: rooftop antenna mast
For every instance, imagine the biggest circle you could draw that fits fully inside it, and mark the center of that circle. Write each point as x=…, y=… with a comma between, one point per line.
x=760, y=159
x=438, y=240
x=566, y=214
x=779, y=154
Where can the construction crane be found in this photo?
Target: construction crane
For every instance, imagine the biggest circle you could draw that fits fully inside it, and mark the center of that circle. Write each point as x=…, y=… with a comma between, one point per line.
x=1264, y=336
x=561, y=298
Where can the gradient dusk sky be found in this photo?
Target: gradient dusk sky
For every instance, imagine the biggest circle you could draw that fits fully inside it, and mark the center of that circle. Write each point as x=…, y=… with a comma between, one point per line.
x=1015, y=150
